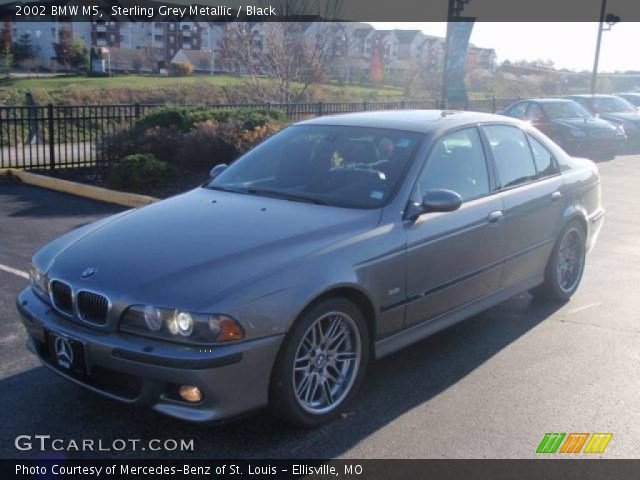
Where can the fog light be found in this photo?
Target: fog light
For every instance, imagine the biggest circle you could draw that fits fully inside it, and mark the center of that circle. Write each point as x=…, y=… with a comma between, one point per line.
x=190, y=393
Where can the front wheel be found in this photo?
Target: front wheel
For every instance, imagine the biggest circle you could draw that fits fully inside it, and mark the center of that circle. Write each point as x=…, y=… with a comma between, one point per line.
x=566, y=265
x=321, y=365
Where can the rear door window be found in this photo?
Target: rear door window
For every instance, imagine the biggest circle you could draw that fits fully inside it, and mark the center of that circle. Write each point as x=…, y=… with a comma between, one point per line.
x=512, y=155
x=543, y=158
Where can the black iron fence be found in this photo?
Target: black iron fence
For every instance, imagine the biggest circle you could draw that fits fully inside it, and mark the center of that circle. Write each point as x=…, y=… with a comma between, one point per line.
x=53, y=136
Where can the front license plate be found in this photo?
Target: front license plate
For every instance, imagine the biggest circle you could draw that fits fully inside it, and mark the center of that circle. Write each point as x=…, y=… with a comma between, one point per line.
x=65, y=351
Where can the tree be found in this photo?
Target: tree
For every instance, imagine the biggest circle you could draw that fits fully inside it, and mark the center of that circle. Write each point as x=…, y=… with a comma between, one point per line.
x=7, y=59
x=6, y=37
x=31, y=64
x=138, y=61
x=70, y=52
x=282, y=60
x=23, y=48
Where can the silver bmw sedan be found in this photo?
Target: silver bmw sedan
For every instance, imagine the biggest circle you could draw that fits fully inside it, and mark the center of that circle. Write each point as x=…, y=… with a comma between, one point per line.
x=333, y=243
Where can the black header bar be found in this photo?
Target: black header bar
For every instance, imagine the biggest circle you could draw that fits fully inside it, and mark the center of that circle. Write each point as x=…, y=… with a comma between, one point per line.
x=314, y=10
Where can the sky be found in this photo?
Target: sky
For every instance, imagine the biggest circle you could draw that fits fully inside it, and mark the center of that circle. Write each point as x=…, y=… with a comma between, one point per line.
x=569, y=45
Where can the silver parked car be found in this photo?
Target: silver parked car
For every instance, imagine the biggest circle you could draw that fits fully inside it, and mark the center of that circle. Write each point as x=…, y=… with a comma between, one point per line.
x=337, y=241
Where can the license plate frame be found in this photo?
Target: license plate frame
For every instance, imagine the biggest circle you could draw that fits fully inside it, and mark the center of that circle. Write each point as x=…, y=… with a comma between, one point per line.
x=65, y=352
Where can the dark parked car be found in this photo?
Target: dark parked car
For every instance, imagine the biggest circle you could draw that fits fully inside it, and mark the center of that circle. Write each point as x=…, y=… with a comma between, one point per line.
x=632, y=97
x=571, y=126
x=616, y=110
x=337, y=241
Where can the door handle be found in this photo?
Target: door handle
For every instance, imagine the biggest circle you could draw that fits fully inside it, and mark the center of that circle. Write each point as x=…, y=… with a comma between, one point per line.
x=555, y=196
x=495, y=217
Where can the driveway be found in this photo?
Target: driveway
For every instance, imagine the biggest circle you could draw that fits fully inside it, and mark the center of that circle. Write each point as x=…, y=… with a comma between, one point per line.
x=490, y=387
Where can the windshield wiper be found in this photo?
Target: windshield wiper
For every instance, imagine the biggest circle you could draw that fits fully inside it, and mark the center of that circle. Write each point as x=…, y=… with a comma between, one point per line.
x=286, y=196
x=224, y=189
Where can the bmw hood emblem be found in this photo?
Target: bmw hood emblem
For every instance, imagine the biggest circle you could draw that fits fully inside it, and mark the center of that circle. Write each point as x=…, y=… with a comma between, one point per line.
x=88, y=272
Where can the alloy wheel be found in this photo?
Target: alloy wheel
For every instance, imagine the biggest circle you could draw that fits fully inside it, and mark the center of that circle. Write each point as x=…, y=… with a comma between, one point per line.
x=327, y=362
x=570, y=260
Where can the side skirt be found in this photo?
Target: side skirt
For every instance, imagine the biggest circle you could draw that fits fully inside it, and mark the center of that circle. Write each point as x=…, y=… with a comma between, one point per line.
x=425, y=329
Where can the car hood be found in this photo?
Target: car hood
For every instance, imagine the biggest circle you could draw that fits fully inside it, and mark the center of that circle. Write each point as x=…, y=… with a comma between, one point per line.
x=587, y=124
x=633, y=117
x=185, y=250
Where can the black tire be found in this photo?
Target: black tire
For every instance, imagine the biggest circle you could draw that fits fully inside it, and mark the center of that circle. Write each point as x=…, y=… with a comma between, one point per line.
x=283, y=400
x=553, y=288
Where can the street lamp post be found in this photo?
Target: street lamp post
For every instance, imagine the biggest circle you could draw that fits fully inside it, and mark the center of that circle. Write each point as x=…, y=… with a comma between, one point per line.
x=610, y=20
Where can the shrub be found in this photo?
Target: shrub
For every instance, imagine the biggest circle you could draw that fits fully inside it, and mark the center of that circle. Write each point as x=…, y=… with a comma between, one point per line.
x=180, y=69
x=194, y=139
x=184, y=118
x=140, y=173
x=211, y=143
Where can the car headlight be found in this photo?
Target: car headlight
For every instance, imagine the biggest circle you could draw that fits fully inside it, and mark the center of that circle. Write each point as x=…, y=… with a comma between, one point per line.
x=38, y=281
x=577, y=133
x=179, y=325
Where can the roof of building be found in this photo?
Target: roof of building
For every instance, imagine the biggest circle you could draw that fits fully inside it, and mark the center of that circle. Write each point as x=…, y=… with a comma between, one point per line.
x=197, y=58
x=407, y=36
x=362, y=31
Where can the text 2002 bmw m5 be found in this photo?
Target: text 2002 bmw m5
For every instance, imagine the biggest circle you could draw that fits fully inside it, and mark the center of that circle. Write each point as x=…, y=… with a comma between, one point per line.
x=336, y=241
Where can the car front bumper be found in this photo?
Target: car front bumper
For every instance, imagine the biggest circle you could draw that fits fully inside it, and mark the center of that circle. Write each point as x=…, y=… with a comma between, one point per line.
x=588, y=146
x=234, y=379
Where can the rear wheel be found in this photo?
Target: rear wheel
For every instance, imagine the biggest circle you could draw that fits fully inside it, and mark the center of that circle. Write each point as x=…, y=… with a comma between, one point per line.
x=321, y=365
x=566, y=265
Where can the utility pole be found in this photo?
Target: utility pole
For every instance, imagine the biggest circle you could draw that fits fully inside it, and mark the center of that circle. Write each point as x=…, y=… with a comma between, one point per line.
x=594, y=74
x=610, y=20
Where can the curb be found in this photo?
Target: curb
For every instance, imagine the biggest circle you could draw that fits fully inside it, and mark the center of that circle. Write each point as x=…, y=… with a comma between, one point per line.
x=80, y=189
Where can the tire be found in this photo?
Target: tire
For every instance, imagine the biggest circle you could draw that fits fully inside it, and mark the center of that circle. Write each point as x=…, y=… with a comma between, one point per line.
x=561, y=282
x=303, y=396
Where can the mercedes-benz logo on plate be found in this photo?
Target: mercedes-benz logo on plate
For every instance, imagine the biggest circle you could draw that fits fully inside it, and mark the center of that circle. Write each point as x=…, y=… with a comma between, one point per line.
x=88, y=272
x=64, y=352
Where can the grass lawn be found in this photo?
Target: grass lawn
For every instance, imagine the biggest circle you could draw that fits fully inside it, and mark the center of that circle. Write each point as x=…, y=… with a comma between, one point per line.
x=124, y=81
x=60, y=83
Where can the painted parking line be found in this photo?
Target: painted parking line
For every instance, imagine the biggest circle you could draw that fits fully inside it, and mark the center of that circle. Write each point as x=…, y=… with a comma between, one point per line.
x=15, y=271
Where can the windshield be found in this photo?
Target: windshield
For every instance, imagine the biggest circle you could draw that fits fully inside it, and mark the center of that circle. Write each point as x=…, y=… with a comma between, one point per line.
x=610, y=104
x=633, y=99
x=569, y=109
x=343, y=166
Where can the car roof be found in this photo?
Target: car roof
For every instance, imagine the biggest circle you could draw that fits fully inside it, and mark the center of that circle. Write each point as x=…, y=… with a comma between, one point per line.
x=420, y=121
x=549, y=100
x=588, y=95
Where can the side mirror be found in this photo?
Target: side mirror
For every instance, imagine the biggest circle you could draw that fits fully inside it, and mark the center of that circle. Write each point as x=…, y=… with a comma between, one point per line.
x=441, y=200
x=437, y=200
x=217, y=170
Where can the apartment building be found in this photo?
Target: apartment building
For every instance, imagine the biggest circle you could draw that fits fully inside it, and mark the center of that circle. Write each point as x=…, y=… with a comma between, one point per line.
x=357, y=47
x=163, y=39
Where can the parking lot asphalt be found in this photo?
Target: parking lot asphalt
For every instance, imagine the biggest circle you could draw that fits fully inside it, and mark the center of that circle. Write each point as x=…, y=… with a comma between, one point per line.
x=490, y=387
